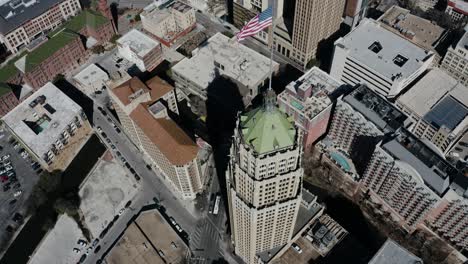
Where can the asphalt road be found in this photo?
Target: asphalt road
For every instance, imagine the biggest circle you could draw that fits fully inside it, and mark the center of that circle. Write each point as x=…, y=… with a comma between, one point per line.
x=152, y=185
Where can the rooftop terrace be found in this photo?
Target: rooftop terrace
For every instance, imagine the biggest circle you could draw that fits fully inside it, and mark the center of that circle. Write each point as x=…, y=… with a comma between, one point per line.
x=375, y=108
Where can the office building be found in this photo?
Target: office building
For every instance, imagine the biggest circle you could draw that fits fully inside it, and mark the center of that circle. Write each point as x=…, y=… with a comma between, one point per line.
x=312, y=22
x=438, y=107
x=142, y=109
x=220, y=56
x=22, y=22
x=450, y=219
x=170, y=23
x=362, y=113
x=264, y=180
x=63, y=52
x=307, y=101
x=391, y=253
x=140, y=49
x=457, y=9
x=422, y=32
x=456, y=60
x=300, y=24
x=50, y=126
x=91, y=79
x=355, y=11
x=397, y=174
x=384, y=61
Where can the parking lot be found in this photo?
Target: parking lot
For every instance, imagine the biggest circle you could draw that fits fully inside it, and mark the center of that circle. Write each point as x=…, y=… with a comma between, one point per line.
x=17, y=180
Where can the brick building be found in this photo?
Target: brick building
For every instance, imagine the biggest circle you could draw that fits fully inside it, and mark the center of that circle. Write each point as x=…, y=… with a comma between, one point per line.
x=63, y=52
x=8, y=99
x=24, y=21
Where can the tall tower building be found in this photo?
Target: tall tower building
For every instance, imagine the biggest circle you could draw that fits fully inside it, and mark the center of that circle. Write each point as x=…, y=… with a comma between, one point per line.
x=314, y=20
x=264, y=180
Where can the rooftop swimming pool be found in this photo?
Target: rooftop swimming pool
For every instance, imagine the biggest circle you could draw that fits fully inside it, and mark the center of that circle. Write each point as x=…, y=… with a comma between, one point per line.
x=341, y=160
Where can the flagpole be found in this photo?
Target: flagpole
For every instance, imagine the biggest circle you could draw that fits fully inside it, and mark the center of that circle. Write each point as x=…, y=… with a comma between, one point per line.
x=271, y=42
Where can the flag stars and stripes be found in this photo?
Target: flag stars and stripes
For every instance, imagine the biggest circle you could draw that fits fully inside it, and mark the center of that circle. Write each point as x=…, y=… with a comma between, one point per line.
x=256, y=24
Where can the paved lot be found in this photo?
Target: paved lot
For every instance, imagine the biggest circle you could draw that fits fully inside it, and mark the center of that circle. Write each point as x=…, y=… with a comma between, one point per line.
x=27, y=178
x=106, y=191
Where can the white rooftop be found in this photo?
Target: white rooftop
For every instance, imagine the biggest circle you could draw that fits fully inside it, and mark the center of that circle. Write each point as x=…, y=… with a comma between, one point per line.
x=57, y=246
x=236, y=61
x=138, y=42
x=431, y=89
x=50, y=118
x=390, y=45
x=92, y=76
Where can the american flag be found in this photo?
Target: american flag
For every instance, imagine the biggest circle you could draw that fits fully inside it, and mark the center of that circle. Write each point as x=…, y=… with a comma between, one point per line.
x=256, y=24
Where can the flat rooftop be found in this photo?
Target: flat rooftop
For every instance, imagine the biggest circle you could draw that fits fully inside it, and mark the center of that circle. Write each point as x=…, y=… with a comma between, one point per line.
x=14, y=13
x=138, y=42
x=107, y=189
x=447, y=113
x=40, y=119
x=383, y=51
x=320, y=85
x=463, y=42
x=392, y=253
x=92, y=76
x=57, y=246
x=436, y=172
x=375, y=108
x=418, y=30
x=430, y=89
x=149, y=240
x=229, y=58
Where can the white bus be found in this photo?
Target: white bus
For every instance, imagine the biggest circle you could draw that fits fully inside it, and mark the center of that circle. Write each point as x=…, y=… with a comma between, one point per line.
x=216, y=205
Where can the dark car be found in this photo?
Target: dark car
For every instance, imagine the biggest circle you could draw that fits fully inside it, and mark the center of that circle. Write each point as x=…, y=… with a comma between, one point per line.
x=127, y=165
x=6, y=187
x=12, y=202
x=132, y=171
x=149, y=167
x=9, y=229
x=97, y=249
x=137, y=177
x=82, y=259
x=100, y=108
x=18, y=218
x=17, y=185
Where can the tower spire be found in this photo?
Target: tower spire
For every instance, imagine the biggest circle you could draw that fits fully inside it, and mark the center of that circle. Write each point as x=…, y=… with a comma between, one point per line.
x=270, y=100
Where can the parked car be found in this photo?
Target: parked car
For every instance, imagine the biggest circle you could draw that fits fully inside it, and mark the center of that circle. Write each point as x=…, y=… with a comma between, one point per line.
x=3, y=178
x=108, y=140
x=121, y=211
x=6, y=187
x=112, y=146
x=18, y=218
x=95, y=242
x=82, y=242
x=9, y=229
x=117, y=130
x=296, y=247
x=17, y=193
x=118, y=154
x=16, y=145
x=5, y=157
x=11, y=174
x=76, y=250
x=132, y=171
x=12, y=202
x=17, y=186
x=137, y=177
x=97, y=249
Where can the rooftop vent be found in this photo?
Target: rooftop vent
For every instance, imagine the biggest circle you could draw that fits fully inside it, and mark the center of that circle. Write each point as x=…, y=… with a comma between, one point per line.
x=376, y=47
x=399, y=60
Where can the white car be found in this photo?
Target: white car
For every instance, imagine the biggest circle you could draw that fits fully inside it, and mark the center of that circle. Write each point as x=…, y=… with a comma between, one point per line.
x=5, y=157
x=76, y=250
x=297, y=248
x=121, y=211
x=8, y=167
x=99, y=129
x=18, y=193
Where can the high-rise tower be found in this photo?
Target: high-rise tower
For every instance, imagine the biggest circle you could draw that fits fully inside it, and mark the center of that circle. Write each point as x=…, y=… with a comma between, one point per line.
x=264, y=180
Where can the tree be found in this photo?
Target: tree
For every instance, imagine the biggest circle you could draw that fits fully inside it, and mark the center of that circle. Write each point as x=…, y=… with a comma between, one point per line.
x=66, y=206
x=228, y=34
x=114, y=38
x=137, y=18
x=313, y=62
x=98, y=49
x=59, y=77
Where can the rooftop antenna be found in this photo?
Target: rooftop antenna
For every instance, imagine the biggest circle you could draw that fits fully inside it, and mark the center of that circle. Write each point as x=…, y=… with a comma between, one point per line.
x=271, y=42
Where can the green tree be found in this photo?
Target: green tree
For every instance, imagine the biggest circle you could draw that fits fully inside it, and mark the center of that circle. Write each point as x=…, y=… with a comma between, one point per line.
x=313, y=62
x=98, y=49
x=137, y=18
x=59, y=77
x=228, y=34
x=66, y=206
x=114, y=38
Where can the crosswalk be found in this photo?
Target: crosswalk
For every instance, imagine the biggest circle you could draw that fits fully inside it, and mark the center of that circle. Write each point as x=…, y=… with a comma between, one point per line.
x=204, y=240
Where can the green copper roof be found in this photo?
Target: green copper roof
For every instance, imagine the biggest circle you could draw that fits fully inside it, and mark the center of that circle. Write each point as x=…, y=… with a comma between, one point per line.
x=267, y=130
